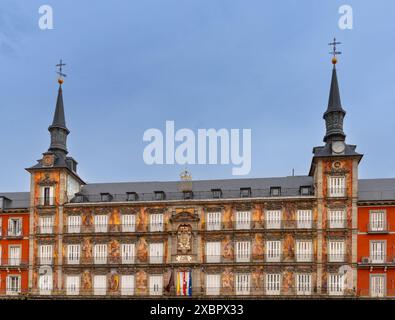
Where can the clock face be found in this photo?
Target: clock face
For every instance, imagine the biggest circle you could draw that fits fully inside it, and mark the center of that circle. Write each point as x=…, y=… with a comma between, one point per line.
x=338, y=146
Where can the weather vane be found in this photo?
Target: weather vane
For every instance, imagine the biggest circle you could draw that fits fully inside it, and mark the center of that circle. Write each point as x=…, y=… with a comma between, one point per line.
x=334, y=52
x=59, y=72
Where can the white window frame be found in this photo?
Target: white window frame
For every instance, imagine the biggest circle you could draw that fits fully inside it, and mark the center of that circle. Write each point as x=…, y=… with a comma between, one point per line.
x=377, y=220
x=242, y=284
x=336, y=186
x=101, y=223
x=156, y=285
x=243, y=251
x=50, y=196
x=74, y=224
x=127, y=253
x=45, y=254
x=213, y=284
x=303, y=283
x=378, y=285
x=128, y=222
x=73, y=284
x=336, y=284
x=73, y=253
x=100, y=252
x=99, y=285
x=273, y=282
x=273, y=250
x=13, y=287
x=14, y=254
x=127, y=284
x=243, y=220
x=213, y=221
x=336, y=218
x=336, y=250
x=15, y=229
x=273, y=219
x=213, y=251
x=45, y=284
x=304, y=250
x=156, y=222
x=156, y=250
x=378, y=250
x=46, y=224
x=304, y=218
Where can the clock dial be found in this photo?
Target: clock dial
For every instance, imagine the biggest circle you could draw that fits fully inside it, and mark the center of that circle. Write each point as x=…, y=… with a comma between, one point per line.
x=338, y=146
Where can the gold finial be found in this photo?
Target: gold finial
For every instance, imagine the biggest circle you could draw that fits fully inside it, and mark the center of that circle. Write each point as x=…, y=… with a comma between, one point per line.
x=334, y=52
x=185, y=175
x=60, y=74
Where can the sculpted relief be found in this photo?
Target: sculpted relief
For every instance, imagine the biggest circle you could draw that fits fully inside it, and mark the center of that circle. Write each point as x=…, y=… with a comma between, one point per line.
x=184, y=239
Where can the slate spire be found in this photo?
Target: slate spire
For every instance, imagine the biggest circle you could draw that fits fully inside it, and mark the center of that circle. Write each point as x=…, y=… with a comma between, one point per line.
x=335, y=113
x=58, y=129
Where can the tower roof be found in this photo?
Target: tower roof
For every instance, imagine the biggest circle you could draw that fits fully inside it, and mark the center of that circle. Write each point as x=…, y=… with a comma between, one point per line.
x=334, y=101
x=59, y=120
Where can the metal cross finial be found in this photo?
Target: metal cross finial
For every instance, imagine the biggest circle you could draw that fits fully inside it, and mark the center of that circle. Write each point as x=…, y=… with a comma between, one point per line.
x=60, y=67
x=334, y=43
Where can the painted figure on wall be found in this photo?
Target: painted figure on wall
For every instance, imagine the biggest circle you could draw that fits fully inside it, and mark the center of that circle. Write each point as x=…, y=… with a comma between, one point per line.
x=115, y=220
x=227, y=218
x=142, y=250
x=289, y=249
x=141, y=282
x=114, y=282
x=114, y=250
x=142, y=220
x=258, y=247
x=227, y=280
x=227, y=246
x=87, y=249
x=86, y=281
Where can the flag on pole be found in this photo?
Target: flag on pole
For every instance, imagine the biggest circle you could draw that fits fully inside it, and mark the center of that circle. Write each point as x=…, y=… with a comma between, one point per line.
x=184, y=283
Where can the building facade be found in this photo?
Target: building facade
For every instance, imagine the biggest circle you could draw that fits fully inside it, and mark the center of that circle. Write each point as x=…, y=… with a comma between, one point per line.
x=376, y=240
x=285, y=237
x=14, y=244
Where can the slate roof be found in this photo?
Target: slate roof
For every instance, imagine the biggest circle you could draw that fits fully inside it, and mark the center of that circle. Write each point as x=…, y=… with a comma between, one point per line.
x=376, y=189
x=18, y=200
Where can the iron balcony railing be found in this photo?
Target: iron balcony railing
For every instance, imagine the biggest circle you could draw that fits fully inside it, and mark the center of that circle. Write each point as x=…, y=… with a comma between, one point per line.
x=108, y=259
x=46, y=201
x=260, y=225
x=377, y=293
x=12, y=233
x=333, y=224
x=13, y=262
x=266, y=258
x=379, y=259
x=337, y=258
x=334, y=192
x=378, y=227
x=197, y=195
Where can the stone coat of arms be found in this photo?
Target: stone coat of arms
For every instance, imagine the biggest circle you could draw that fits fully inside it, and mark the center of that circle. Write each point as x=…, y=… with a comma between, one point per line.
x=184, y=239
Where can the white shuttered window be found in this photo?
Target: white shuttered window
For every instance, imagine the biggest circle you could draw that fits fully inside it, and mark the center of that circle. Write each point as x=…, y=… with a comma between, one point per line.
x=214, y=221
x=128, y=223
x=74, y=224
x=45, y=253
x=73, y=253
x=99, y=285
x=303, y=283
x=213, y=251
x=304, y=219
x=101, y=223
x=304, y=250
x=156, y=285
x=156, y=222
x=243, y=251
x=273, y=251
x=72, y=285
x=273, y=219
x=243, y=284
x=127, y=285
x=100, y=253
x=127, y=253
x=213, y=283
x=156, y=252
x=336, y=251
x=336, y=218
x=273, y=283
x=243, y=220
x=337, y=186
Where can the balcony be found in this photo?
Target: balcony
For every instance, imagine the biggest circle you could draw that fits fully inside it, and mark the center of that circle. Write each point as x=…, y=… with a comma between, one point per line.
x=45, y=202
x=375, y=228
x=333, y=224
x=14, y=262
x=377, y=260
x=336, y=258
x=337, y=192
x=113, y=228
x=261, y=225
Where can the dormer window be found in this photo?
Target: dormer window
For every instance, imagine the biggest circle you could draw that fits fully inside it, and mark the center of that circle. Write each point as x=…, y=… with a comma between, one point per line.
x=245, y=192
x=275, y=191
x=105, y=197
x=217, y=193
x=159, y=195
x=132, y=196
x=305, y=190
x=187, y=195
x=79, y=198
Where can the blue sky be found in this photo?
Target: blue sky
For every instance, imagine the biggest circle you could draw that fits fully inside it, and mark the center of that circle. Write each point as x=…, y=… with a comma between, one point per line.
x=132, y=65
